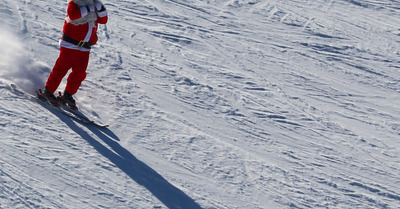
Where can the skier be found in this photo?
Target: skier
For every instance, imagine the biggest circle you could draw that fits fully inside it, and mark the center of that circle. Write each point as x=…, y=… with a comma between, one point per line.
x=79, y=34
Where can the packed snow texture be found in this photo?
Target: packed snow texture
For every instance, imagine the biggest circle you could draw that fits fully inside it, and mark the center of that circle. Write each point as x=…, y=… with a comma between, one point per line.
x=211, y=104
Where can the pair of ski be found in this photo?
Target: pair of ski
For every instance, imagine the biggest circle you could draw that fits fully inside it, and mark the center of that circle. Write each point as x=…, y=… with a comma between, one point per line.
x=65, y=109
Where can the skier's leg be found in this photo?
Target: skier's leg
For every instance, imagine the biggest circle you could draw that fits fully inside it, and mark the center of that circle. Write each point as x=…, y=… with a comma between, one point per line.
x=78, y=73
x=60, y=69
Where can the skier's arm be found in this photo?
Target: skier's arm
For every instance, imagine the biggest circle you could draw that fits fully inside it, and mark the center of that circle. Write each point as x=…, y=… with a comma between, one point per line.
x=101, y=12
x=74, y=12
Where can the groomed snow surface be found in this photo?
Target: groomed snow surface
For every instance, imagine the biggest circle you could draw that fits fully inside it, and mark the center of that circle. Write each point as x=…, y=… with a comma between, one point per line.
x=211, y=104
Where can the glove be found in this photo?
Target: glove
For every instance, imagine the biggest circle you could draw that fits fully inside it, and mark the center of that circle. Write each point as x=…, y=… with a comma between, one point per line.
x=98, y=5
x=90, y=7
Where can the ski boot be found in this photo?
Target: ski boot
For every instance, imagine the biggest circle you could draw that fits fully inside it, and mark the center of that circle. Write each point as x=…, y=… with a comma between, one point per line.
x=46, y=95
x=67, y=99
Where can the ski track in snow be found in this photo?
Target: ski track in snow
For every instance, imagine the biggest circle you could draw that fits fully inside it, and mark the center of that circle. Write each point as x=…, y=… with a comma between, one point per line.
x=212, y=104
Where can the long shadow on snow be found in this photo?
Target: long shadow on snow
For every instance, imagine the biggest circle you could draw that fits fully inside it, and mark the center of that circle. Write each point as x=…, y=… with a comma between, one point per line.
x=141, y=173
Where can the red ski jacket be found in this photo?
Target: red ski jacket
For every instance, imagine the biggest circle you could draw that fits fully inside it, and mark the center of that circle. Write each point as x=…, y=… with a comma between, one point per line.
x=81, y=24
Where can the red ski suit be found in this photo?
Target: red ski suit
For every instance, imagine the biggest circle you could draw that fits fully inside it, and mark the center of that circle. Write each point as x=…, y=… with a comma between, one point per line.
x=81, y=25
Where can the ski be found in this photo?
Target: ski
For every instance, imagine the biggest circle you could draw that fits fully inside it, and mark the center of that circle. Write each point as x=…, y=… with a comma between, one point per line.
x=64, y=109
x=80, y=115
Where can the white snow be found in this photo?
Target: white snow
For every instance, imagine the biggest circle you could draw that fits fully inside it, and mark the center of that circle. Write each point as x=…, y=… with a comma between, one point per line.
x=211, y=104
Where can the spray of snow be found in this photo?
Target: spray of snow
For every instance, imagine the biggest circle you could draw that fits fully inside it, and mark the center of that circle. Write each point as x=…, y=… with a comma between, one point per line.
x=16, y=66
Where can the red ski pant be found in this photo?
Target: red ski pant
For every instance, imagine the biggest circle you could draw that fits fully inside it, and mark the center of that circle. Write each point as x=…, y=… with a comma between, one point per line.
x=69, y=59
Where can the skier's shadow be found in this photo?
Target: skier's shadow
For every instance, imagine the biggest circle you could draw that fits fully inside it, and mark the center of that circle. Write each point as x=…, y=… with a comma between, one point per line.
x=141, y=173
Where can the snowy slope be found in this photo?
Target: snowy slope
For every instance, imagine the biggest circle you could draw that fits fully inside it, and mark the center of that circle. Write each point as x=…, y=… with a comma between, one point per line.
x=211, y=104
